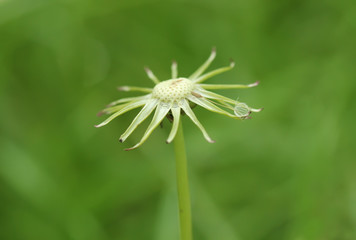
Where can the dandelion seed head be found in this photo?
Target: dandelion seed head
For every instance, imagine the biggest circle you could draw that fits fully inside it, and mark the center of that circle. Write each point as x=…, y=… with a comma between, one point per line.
x=175, y=97
x=173, y=90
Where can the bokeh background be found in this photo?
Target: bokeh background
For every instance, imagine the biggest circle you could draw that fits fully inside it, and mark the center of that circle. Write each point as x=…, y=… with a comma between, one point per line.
x=289, y=173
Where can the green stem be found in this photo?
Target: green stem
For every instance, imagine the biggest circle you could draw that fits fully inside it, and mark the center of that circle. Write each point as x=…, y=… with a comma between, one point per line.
x=183, y=186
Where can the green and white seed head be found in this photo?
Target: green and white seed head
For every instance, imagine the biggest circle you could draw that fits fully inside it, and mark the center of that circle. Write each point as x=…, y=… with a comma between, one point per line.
x=173, y=96
x=173, y=90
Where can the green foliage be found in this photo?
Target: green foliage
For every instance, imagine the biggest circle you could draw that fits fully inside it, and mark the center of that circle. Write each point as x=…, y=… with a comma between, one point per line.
x=286, y=174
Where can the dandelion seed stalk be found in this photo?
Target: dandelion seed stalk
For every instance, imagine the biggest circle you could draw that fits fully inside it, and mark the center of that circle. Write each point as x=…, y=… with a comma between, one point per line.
x=185, y=217
x=174, y=96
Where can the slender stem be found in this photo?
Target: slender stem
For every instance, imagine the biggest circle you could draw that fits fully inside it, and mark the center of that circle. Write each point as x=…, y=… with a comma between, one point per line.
x=183, y=186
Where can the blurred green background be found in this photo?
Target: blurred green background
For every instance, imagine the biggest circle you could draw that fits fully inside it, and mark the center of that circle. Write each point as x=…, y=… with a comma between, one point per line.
x=289, y=173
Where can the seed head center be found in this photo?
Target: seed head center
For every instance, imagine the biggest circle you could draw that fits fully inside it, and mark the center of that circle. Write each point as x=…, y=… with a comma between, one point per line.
x=173, y=90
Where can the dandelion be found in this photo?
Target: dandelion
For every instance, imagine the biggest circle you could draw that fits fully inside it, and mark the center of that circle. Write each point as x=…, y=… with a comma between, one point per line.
x=171, y=98
x=175, y=96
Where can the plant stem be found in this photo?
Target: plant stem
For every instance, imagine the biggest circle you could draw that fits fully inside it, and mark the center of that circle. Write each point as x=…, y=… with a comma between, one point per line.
x=183, y=186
